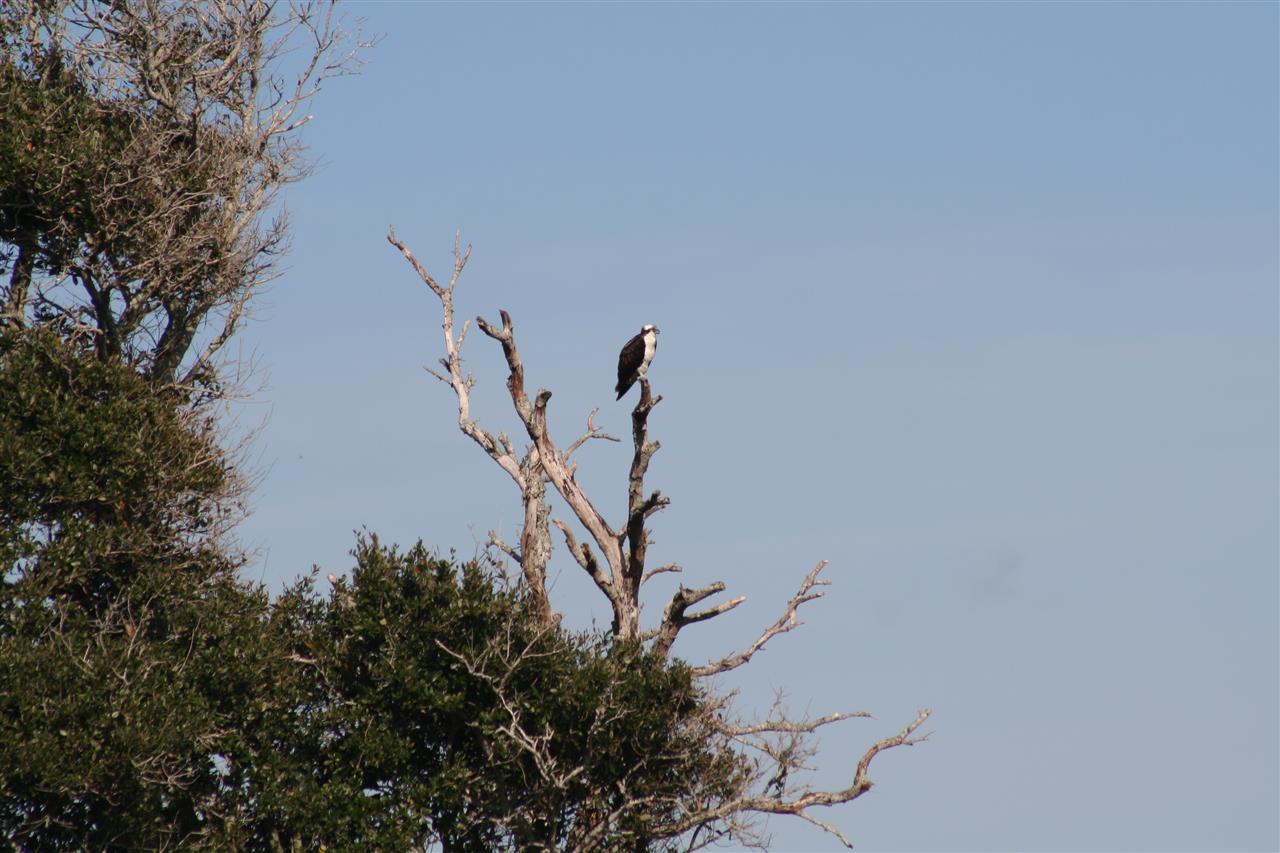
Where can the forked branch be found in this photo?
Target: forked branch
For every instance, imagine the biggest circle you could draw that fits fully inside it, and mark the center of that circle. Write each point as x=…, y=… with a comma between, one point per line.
x=614, y=582
x=525, y=471
x=676, y=615
x=786, y=622
x=786, y=756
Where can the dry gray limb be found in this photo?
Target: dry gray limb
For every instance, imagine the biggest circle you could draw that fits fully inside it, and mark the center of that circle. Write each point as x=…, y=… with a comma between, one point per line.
x=639, y=508
x=593, y=432
x=584, y=557
x=525, y=471
x=661, y=570
x=676, y=617
x=789, y=758
x=495, y=541
x=619, y=570
x=786, y=622
x=782, y=724
x=615, y=582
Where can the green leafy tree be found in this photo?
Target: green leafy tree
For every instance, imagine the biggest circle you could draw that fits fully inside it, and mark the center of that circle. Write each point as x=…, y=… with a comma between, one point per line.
x=141, y=149
x=129, y=649
x=152, y=700
x=440, y=712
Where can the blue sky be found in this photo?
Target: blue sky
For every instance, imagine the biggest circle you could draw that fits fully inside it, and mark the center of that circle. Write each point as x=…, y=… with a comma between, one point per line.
x=976, y=301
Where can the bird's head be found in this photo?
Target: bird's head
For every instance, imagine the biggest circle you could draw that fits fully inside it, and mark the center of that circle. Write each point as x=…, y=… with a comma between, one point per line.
x=649, y=327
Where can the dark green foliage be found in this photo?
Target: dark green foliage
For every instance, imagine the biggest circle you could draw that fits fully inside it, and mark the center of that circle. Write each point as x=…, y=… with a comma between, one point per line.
x=99, y=473
x=436, y=711
x=44, y=187
x=127, y=645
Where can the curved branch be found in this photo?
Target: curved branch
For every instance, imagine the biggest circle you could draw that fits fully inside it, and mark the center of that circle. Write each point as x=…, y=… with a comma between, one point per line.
x=585, y=558
x=799, y=805
x=661, y=570
x=786, y=622
x=592, y=432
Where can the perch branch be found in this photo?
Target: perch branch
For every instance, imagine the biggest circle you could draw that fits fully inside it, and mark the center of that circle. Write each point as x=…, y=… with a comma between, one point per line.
x=555, y=464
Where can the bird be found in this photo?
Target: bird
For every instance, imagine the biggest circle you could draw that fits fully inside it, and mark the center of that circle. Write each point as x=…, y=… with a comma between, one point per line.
x=634, y=359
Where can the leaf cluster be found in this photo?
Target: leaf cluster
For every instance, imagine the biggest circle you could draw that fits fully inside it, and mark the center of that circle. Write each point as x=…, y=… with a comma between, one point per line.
x=51, y=141
x=99, y=472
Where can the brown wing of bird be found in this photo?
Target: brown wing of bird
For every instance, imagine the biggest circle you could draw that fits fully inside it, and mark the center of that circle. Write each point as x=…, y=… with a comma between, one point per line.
x=629, y=361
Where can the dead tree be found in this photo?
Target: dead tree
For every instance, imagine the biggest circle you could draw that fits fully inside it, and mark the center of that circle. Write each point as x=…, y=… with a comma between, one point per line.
x=781, y=746
x=619, y=570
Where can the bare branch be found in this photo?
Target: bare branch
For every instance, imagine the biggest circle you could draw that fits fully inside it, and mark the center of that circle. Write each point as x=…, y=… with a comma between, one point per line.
x=674, y=617
x=661, y=570
x=781, y=724
x=789, y=758
x=526, y=472
x=823, y=825
x=722, y=607
x=638, y=509
x=592, y=432
x=902, y=738
x=496, y=542
x=426, y=277
x=585, y=558
x=786, y=622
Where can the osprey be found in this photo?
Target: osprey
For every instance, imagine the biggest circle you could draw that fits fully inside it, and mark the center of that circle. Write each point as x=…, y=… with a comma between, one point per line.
x=634, y=359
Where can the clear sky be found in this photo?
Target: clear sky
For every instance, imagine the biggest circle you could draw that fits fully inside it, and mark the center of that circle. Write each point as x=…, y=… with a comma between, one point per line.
x=977, y=301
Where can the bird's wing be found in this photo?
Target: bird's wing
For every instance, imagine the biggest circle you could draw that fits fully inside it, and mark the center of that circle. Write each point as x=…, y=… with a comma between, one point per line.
x=631, y=357
x=629, y=361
